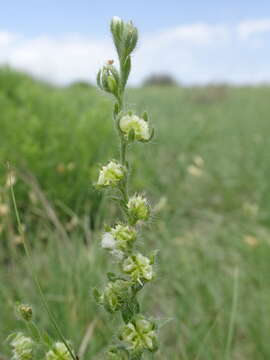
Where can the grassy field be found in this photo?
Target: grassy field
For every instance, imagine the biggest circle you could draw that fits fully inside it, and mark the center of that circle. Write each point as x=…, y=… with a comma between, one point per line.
x=207, y=174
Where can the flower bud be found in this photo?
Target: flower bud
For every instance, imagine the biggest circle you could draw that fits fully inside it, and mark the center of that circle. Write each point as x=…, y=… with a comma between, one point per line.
x=22, y=347
x=138, y=208
x=26, y=312
x=138, y=267
x=131, y=37
x=58, y=352
x=140, y=334
x=125, y=37
x=108, y=78
x=117, y=28
x=124, y=236
x=115, y=295
x=111, y=174
x=136, y=124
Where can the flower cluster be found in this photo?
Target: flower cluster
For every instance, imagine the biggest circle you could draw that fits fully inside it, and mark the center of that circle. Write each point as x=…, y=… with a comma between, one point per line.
x=22, y=347
x=140, y=335
x=115, y=295
x=135, y=269
x=111, y=174
x=138, y=267
x=25, y=348
x=119, y=240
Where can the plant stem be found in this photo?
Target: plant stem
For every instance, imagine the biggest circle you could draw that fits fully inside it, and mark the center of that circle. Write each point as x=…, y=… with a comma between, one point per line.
x=123, y=151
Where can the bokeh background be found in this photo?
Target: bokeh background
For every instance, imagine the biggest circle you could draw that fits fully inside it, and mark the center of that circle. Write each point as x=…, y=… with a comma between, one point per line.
x=202, y=72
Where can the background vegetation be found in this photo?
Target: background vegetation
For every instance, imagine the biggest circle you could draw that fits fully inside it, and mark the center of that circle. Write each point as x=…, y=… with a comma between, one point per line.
x=207, y=172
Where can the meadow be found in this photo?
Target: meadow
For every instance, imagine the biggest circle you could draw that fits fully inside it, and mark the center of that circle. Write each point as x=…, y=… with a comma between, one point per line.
x=207, y=175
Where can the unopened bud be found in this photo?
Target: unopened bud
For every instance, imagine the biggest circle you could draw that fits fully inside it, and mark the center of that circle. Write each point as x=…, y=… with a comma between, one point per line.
x=26, y=312
x=138, y=208
x=115, y=295
x=125, y=36
x=108, y=78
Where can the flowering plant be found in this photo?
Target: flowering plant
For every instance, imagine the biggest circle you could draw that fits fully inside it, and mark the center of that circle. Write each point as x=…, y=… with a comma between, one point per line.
x=138, y=334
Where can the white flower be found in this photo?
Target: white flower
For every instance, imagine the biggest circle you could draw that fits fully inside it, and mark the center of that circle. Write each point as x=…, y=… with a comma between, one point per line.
x=22, y=347
x=110, y=174
x=58, y=352
x=108, y=241
x=138, y=125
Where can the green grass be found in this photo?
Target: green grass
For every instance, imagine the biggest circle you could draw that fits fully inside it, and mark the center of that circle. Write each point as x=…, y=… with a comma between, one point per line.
x=207, y=173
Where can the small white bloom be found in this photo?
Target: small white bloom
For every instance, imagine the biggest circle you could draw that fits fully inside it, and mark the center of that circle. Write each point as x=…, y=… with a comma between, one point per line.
x=108, y=241
x=118, y=240
x=110, y=174
x=138, y=125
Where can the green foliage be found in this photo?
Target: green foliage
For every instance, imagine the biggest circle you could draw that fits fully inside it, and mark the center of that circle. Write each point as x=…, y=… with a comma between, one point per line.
x=55, y=135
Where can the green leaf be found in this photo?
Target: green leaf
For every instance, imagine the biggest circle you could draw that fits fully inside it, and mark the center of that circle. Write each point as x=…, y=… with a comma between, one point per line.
x=116, y=109
x=145, y=116
x=47, y=339
x=126, y=71
x=97, y=295
x=131, y=136
x=127, y=314
x=130, y=309
x=112, y=85
x=153, y=256
x=112, y=276
x=98, y=79
x=34, y=331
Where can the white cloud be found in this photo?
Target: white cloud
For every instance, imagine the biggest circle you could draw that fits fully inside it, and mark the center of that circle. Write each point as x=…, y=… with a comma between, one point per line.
x=251, y=27
x=60, y=60
x=197, y=34
x=192, y=53
x=6, y=38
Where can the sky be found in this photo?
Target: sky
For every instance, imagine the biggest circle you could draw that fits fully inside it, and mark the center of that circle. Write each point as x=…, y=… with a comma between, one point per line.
x=194, y=41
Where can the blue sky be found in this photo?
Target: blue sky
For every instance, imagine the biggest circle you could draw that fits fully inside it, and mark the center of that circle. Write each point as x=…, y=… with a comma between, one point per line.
x=91, y=17
x=196, y=41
